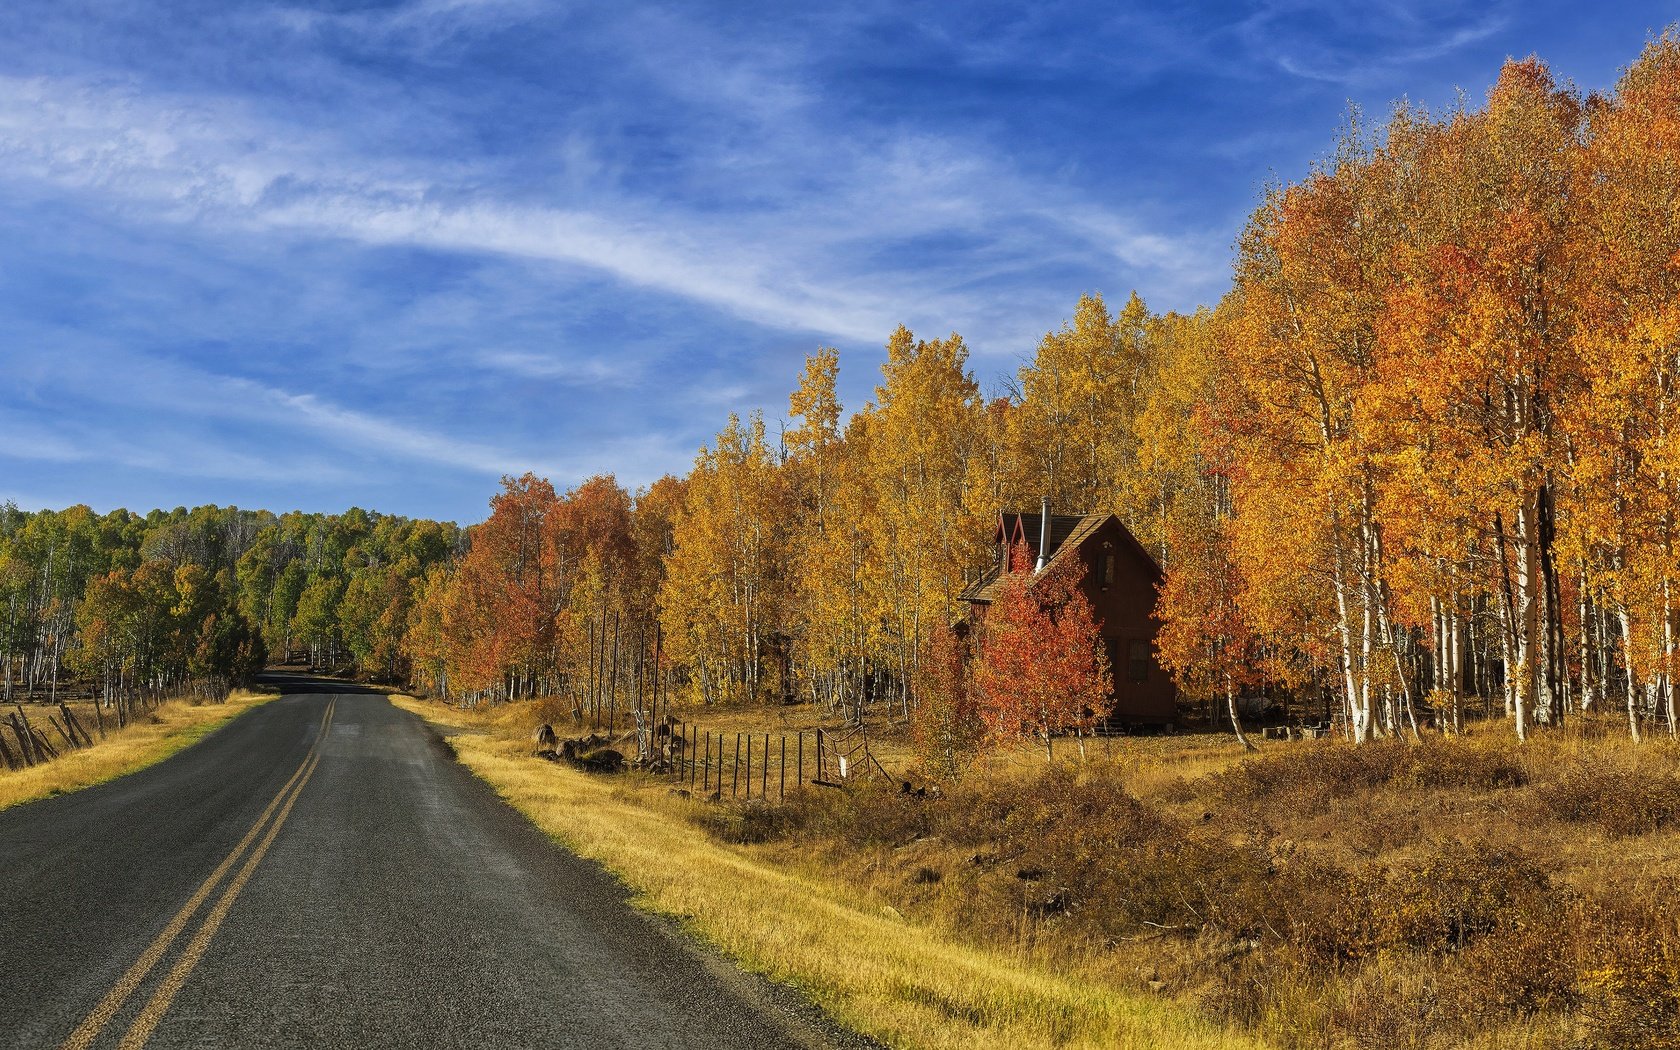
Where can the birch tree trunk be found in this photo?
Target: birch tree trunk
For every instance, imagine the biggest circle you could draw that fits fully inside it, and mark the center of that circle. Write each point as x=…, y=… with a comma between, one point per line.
x=1632, y=678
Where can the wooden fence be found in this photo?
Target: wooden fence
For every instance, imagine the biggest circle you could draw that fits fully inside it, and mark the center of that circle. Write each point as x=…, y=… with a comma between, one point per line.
x=33, y=746
x=762, y=766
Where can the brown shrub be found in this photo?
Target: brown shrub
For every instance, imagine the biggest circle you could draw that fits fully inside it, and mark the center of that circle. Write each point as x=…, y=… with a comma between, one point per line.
x=1398, y=1004
x=1084, y=854
x=1079, y=853
x=870, y=815
x=1440, y=903
x=1618, y=800
x=554, y=710
x=1455, y=763
x=1423, y=954
x=1308, y=775
x=1631, y=982
x=1530, y=965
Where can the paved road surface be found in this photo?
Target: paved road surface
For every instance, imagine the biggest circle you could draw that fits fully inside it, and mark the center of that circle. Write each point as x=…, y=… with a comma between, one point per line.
x=320, y=873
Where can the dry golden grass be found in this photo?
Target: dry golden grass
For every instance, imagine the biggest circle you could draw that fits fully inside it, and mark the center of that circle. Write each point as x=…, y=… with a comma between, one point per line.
x=1145, y=761
x=1465, y=892
x=148, y=739
x=873, y=970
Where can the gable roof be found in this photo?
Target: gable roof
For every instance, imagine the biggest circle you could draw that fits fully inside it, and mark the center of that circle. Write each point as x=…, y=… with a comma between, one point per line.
x=1067, y=532
x=1024, y=528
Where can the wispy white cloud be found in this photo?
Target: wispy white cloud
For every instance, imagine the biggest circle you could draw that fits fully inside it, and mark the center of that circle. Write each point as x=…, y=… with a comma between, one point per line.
x=606, y=370
x=361, y=431
x=421, y=24
x=1361, y=44
x=789, y=261
x=158, y=410
x=166, y=450
x=29, y=441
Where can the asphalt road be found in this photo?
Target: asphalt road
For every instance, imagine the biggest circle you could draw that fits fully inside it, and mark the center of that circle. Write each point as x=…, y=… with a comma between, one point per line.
x=321, y=873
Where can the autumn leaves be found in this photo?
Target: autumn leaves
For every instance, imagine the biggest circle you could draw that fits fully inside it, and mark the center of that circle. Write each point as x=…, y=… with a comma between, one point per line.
x=1442, y=406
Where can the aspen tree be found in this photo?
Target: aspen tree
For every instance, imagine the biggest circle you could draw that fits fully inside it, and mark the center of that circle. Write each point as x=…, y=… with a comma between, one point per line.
x=724, y=593
x=1073, y=431
x=1623, y=427
x=1304, y=311
x=922, y=431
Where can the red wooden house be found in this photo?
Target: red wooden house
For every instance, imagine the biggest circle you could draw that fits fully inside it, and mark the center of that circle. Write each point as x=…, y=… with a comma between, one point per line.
x=1121, y=581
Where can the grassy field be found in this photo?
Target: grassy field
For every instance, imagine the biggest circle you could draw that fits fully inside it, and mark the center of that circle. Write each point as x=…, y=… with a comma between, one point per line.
x=858, y=957
x=1173, y=891
x=151, y=737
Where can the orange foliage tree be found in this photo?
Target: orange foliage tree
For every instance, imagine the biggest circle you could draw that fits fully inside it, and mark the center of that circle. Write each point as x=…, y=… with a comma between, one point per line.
x=505, y=596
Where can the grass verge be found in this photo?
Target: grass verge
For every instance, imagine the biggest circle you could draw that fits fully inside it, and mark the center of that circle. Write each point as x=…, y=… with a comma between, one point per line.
x=148, y=739
x=900, y=982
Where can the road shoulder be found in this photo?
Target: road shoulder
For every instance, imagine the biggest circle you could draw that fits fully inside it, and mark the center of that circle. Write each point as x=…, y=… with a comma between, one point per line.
x=149, y=739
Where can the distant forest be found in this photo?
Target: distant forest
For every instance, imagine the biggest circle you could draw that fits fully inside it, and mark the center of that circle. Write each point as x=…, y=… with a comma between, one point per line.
x=197, y=601
x=1419, y=464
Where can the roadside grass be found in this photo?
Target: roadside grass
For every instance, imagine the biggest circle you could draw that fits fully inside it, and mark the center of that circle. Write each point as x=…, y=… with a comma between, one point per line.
x=150, y=738
x=900, y=981
x=1465, y=892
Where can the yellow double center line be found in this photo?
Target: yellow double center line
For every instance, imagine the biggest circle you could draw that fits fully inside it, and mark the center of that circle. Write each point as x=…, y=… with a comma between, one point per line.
x=141, y=1030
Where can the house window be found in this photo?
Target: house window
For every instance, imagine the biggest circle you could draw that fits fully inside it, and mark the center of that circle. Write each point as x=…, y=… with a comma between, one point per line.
x=1137, y=664
x=1107, y=567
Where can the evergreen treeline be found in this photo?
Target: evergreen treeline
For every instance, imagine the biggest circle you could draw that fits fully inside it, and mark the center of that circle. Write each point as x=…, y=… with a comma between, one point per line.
x=195, y=601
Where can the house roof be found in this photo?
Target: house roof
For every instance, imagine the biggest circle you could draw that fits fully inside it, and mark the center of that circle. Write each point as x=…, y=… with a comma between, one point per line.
x=1067, y=533
x=1024, y=528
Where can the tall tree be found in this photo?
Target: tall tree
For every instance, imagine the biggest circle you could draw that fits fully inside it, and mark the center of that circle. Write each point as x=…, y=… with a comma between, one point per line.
x=922, y=431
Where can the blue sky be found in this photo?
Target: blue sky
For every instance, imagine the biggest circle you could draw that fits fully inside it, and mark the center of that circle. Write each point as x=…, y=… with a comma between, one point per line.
x=309, y=255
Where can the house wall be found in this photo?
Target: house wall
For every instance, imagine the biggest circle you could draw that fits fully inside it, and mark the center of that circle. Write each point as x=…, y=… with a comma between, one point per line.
x=1124, y=606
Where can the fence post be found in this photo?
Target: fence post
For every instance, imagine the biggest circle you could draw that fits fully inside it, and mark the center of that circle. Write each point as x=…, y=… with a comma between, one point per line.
x=25, y=744
x=735, y=773
x=749, y=765
x=782, y=769
x=801, y=781
x=764, y=770
x=69, y=740
x=75, y=727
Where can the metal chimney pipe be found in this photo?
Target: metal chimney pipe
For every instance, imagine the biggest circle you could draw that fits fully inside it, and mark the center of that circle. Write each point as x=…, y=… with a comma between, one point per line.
x=1043, y=532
